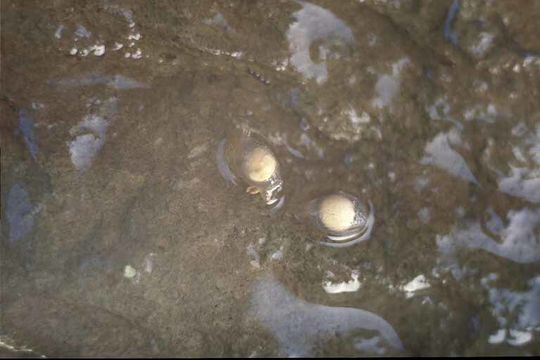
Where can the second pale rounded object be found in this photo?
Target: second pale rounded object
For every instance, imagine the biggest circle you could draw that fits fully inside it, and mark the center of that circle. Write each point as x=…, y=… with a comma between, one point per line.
x=337, y=212
x=344, y=219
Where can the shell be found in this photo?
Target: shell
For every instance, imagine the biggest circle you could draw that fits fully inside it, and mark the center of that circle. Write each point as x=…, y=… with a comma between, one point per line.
x=245, y=157
x=342, y=218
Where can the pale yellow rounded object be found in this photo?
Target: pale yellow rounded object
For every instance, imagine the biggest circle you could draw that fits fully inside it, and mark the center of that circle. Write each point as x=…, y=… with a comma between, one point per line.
x=337, y=213
x=260, y=165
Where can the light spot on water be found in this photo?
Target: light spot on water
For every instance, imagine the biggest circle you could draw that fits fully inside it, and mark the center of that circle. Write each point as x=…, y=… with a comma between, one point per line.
x=82, y=32
x=137, y=54
x=424, y=215
x=59, y=31
x=130, y=272
x=148, y=263
x=218, y=21
x=484, y=43
x=253, y=255
x=85, y=147
x=277, y=255
x=117, y=46
x=388, y=86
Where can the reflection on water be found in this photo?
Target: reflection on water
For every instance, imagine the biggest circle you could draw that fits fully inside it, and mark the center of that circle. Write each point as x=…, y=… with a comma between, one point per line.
x=301, y=327
x=518, y=313
x=125, y=209
x=26, y=128
x=518, y=241
x=19, y=213
x=314, y=23
x=118, y=82
x=439, y=153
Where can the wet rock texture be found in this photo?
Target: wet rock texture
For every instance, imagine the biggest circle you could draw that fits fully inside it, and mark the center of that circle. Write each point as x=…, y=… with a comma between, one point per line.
x=120, y=238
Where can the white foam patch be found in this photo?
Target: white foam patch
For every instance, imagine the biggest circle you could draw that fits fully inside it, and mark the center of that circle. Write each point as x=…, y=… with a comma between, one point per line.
x=98, y=49
x=341, y=287
x=418, y=283
x=129, y=272
x=314, y=23
x=299, y=326
x=439, y=153
x=7, y=343
x=498, y=337
x=356, y=119
x=519, y=338
x=519, y=240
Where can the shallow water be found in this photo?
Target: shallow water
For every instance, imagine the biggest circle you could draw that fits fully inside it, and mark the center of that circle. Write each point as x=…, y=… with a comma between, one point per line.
x=121, y=237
